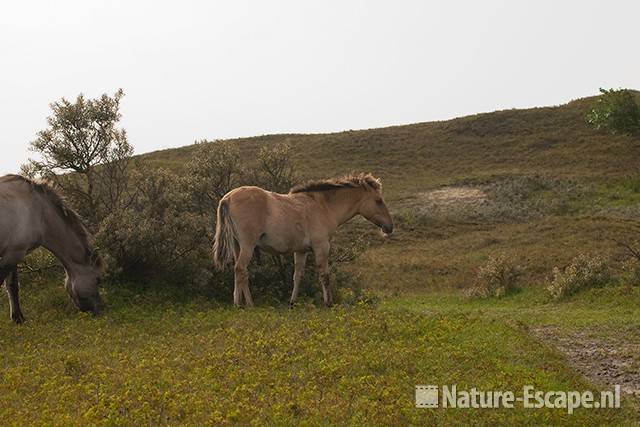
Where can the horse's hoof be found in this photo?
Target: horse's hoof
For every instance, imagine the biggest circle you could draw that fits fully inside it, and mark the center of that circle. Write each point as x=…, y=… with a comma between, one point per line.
x=18, y=318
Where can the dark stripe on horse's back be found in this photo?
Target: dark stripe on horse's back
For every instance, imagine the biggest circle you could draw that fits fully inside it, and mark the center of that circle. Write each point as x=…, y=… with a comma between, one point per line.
x=348, y=181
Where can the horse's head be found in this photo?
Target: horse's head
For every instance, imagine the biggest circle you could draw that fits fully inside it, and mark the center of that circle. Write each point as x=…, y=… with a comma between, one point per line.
x=375, y=210
x=82, y=287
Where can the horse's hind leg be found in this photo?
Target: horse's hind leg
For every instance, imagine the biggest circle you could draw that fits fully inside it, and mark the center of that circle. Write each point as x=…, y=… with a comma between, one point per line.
x=321, y=252
x=241, y=285
x=300, y=259
x=11, y=276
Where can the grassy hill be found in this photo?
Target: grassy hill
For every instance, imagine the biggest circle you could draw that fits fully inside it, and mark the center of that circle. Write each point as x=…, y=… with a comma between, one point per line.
x=552, y=140
x=538, y=185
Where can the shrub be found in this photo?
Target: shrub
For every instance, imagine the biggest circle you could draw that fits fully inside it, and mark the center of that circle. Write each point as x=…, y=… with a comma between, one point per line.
x=214, y=169
x=582, y=273
x=497, y=278
x=274, y=169
x=166, y=227
x=40, y=266
x=631, y=183
x=154, y=235
x=348, y=284
x=616, y=111
x=631, y=272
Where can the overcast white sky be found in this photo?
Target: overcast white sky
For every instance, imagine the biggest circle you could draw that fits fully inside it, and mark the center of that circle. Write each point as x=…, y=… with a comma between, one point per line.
x=219, y=69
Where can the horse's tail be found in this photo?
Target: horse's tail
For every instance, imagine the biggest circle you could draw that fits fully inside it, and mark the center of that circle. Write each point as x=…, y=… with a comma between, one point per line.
x=226, y=238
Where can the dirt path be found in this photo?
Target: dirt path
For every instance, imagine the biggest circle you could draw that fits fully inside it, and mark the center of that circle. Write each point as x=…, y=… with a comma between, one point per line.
x=606, y=362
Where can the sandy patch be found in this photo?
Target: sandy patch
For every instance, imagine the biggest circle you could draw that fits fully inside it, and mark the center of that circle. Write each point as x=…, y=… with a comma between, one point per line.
x=605, y=362
x=447, y=196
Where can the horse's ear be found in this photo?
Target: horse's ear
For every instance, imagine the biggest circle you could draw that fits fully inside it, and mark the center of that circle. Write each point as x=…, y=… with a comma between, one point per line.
x=373, y=185
x=371, y=182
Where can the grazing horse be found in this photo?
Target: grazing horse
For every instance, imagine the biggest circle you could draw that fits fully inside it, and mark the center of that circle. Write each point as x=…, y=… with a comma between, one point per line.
x=34, y=214
x=303, y=220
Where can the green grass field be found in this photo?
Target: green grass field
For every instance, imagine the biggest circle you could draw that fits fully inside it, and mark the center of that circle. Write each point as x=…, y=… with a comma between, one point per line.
x=544, y=187
x=151, y=360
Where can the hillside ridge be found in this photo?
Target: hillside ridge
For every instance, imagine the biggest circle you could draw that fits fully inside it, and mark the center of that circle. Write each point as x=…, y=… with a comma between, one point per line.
x=552, y=140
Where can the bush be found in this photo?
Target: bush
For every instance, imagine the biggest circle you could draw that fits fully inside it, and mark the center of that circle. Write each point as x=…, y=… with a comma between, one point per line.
x=631, y=272
x=166, y=226
x=616, y=111
x=40, y=266
x=215, y=168
x=582, y=273
x=631, y=267
x=274, y=169
x=497, y=278
x=154, y=235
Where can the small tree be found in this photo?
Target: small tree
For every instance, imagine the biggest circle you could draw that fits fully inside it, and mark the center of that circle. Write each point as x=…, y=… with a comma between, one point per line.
x=85, y=152
x=275, y=169
x=214, y=169
x=616, y=111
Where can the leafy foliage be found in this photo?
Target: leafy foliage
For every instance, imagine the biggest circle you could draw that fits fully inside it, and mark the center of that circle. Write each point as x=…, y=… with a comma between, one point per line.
x=215, y=168
x=275, y=170
x=616, y=111
x=154, y=236
x=85, y=152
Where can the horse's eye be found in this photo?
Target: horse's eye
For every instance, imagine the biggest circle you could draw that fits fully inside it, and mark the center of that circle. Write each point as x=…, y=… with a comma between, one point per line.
x=379, y=201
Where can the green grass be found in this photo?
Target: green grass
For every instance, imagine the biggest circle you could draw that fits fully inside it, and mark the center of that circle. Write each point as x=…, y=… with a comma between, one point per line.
x=149, y=360
x=613, y=306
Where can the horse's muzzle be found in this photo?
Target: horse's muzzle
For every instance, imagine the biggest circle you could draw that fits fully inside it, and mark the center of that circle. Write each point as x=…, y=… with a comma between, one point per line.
x=91, y=305
x=387, y=229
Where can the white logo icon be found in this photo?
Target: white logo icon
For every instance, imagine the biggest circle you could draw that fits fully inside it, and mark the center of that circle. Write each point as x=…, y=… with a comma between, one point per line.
x=426, y=396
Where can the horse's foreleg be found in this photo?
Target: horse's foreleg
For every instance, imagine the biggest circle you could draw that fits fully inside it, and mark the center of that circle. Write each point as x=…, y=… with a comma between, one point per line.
x=4, y=272
x=9, y=270
x=11, y=276
x=241, y=285
x=322, y=266
x=300, y=259
x=12, y=291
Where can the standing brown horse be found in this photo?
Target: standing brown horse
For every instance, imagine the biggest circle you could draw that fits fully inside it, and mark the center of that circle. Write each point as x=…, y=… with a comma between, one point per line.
x=33, y=214
x=303, y=220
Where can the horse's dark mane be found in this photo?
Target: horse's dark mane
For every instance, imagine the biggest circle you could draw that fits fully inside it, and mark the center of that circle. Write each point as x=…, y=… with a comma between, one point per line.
x=68, y=214
x=362, y=180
